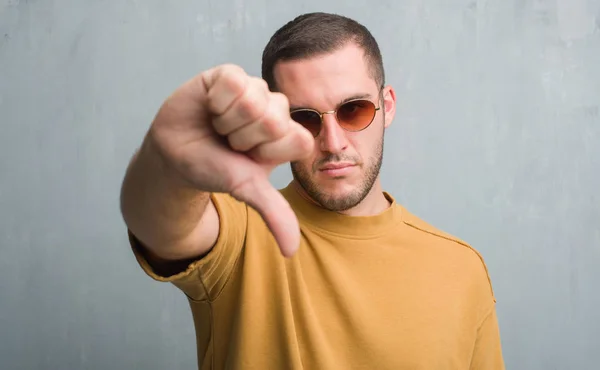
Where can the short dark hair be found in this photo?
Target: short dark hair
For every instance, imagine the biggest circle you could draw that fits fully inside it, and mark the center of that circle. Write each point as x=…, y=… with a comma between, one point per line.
x=314, y=34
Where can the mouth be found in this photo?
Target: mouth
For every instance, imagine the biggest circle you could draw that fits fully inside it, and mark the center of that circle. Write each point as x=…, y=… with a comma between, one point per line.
x=337, y=169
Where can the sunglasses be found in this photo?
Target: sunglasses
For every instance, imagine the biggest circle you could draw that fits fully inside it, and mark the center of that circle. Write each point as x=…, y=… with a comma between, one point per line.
x=354, y=115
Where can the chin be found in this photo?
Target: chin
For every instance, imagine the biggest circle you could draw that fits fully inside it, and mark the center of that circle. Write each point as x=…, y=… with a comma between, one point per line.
x=336, y=187
x=334, y=193
x=339, y=201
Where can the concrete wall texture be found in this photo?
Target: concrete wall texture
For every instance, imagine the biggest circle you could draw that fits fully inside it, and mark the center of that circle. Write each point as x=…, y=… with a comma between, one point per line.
x=496, y=140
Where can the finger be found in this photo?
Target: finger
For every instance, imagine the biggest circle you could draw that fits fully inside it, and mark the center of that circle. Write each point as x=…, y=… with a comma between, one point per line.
x=274, y=210
x=297, y=144
x=251, y=106
x=225, y=84
x=273, y=125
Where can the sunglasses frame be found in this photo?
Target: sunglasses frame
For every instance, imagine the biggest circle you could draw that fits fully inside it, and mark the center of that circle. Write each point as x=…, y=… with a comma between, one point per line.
x=334, y=112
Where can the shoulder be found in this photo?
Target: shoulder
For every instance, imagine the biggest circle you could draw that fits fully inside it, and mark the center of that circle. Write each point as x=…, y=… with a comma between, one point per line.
x=422, y=226
x=452, y=248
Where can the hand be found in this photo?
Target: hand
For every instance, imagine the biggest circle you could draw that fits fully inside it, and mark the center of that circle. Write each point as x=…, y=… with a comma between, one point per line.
x=224, y=131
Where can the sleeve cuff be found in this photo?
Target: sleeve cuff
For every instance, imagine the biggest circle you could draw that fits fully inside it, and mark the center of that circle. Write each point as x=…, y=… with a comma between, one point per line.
x=204, y=278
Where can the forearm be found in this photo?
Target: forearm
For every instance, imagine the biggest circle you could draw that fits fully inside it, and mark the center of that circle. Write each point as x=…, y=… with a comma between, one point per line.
x=159, y=207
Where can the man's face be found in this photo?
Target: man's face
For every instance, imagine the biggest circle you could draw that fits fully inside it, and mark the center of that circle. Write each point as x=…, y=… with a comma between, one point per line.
x=344, y=165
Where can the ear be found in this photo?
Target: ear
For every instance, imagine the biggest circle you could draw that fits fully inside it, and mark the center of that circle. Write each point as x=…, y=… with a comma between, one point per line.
x=389, y=104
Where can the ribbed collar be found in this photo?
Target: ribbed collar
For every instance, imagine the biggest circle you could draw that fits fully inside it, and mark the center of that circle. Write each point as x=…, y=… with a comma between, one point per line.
x=357, y=227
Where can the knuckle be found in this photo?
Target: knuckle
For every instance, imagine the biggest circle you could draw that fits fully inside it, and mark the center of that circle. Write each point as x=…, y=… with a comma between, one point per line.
x=259, y=154
x=236, y=143
x=220, y=126
x=233, y=82
x=263, y=84
x=275, y=123
x=230, y=83
x=251, y=107
x=282, y=101
x=272, y=127
x=254, y=103
x=227, y=70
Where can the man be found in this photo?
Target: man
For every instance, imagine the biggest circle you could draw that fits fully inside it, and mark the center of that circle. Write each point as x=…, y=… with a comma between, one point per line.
x=328, y=273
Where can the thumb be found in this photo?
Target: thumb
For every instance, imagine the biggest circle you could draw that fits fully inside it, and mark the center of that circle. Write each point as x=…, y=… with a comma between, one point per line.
x=274, y=210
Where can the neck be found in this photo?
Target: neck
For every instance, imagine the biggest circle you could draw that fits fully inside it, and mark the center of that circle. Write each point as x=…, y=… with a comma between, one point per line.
x=374, y=203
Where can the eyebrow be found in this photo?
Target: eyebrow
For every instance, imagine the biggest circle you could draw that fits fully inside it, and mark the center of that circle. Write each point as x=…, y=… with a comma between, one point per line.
x=345, y=100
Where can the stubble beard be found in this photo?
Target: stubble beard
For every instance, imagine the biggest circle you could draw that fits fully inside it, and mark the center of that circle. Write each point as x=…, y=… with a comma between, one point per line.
x=346, y=201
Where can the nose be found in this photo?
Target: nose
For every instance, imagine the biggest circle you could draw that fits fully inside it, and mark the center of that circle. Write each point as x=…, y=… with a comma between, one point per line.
x=332, y=137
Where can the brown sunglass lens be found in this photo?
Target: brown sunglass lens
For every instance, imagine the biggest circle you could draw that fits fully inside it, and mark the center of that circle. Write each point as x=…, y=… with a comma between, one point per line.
x=356, y=115
x=309, y=119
